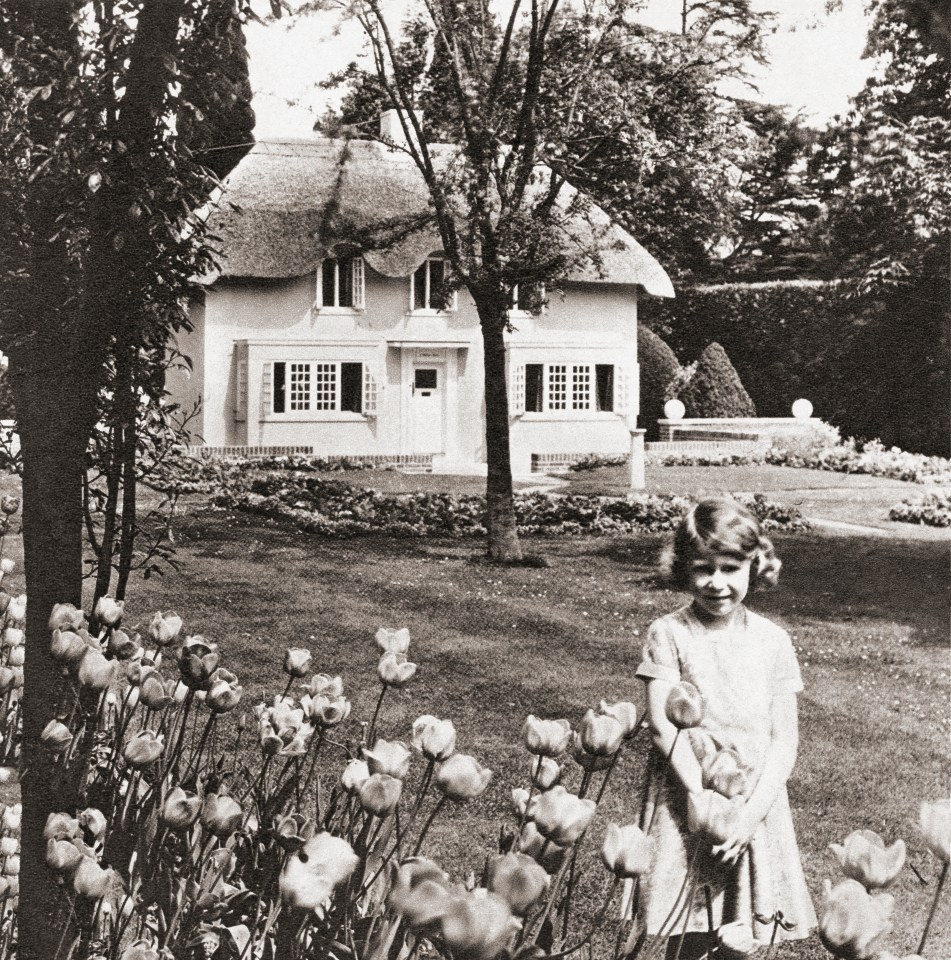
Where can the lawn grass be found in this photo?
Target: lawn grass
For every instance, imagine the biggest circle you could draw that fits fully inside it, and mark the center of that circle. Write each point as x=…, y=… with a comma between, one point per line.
x=868, y=617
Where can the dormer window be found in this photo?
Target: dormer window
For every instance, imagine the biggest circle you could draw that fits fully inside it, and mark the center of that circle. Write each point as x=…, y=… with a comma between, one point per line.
x=428, y=289
x=528, y=298
x=340, y=283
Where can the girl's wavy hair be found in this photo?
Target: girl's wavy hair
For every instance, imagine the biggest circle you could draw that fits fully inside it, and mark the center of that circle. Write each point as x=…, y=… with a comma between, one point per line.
x=721, y=526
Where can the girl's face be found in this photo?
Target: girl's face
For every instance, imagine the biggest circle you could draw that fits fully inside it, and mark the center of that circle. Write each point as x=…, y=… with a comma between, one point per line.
x=719, y=583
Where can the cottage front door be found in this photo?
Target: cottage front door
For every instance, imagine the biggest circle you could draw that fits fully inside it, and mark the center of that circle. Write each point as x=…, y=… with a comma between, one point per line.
x=427, y=413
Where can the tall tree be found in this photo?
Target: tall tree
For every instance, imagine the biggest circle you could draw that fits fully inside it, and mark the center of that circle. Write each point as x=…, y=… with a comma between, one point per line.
x=99, y=252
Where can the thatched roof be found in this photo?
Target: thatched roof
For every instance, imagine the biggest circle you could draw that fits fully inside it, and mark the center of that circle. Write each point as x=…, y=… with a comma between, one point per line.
x=289, y=202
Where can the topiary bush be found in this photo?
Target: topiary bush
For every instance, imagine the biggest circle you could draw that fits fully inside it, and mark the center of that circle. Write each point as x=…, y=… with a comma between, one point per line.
x=715, y=389
x=658, y=366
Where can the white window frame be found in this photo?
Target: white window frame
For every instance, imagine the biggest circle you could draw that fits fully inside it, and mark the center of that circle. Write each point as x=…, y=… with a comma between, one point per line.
x=357, y=282
x=453, y=304
x=569, y=389
x=324, y=394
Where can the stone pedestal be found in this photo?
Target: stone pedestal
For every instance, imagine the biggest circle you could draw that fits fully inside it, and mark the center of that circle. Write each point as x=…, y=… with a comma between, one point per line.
x=636, y=460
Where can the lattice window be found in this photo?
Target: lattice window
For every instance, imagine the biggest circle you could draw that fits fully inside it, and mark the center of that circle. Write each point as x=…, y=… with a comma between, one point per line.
x=369, y=392
x=581, y=387
x=241, y=387
x=557, y=386
x=299, y=387
x=325, y=386
x=340, y=283
x=267, y=389
x=622, y=391
x=517, y=390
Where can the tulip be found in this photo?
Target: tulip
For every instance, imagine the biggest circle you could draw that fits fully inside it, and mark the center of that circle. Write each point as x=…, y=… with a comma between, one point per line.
x=462, y=777
x=864, y=857
x=545, y=773
x=548, y=854
x=221, y=814
x=548, y=738
x=9, y=846
x=518, y=880
x=736, y=941
x=143, y=749
x=140, y=950
x=853, y=922
x=561, y=817
x=7, y=566
x=293, y=830
x=63, y=856
x=434, y=738
x=355, y=774
x=12, y=637
x=154, y=692
x=935, y=821
x=197, y=661
x=109, y=611
x=322, y=684
x=587, y=761
x=17, y=678
x=8, y=679
x=93, y=823
x=16, y=609
x=67, y=646
x=224, y=692
x=65, y=616
x=311, y=875
x=395, y=670
x=419, y=894
x=56, y=736
x=164, y=629
x=623, y=711
x=722, y=773
x=297, y=662
x=16, y=657
x=380, y=793
x=90, y=880
x=713, y=816
x=180, y=810
x=122, y=646
x=627, y=851
x=61, y=826
x=684, y=707
x=12, y=818
x=324, y=711
x=477, y=925
x=95, y=671
x=9, y=504
x=11, y=866
x=600, y=734
x=392, y=641
x=390, y=757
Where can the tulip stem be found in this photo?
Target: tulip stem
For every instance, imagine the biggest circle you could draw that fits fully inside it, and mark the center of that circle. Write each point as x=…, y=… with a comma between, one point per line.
x=594, y=926
x=663, y=774
x=427, y=825
x=376, y=713
x=934, y=908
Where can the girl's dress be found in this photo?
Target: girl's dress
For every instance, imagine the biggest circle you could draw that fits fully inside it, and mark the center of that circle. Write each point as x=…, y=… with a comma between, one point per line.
x=737, y=670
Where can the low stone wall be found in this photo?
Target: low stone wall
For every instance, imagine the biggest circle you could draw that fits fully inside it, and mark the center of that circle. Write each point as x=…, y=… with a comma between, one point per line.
x=763, y=430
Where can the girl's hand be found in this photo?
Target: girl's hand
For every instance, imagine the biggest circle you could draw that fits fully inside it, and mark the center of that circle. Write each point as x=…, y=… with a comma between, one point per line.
x=730, y=851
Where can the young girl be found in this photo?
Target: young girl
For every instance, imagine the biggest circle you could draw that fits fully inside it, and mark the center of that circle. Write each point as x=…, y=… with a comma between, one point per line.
x=745, y=669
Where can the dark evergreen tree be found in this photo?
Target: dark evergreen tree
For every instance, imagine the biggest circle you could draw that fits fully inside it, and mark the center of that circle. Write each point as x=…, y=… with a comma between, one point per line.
x=715, y=389
x=658, y=366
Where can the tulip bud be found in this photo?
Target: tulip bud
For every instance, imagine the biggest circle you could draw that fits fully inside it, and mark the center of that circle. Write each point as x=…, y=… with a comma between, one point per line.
x=155, y=693
x=736, y=941
x=93, y=823
x=12, y=818
x=935, y=821
x=547, y=738
x=393, y=641
x=600, y=734
x=7, y=566
x=521, y=798
x=462, y=777
x=354, y=775
x=380, y=793
x=9, y=505
x=713, y=816
x=311, y=875
x=65, y=616
x=684, y=707
x=325, y=711
x=391, y=757
x=292, y=831
x=297, y=662
x=9, y=846
x=587, y=761
x=323, y=685
x=17, y=657
x=164, y=628
x=61, y=826
x=221, y=815
x=140, y=950
x=108, y=611
x=545, y=772
x=12, y=637
x=627, y=851
x=90, y=880
x=180, y=810
x=548, y=854
x=11, y=866
x=122, y=646
x=16, y=609
x=561, y=817
x=518, y=880
x=722, y=772
x=95, y=671
x=395, y=670
x=63, y=856
x=853, y=923
x=67, y=646
x=7, y=680
x=477, y=925
x=224, y=692
x=56, y=736
x=624, y=712
x=419, y=894
x=434, y=738
x=17, y=678
x=143, y=749
x=864, y=857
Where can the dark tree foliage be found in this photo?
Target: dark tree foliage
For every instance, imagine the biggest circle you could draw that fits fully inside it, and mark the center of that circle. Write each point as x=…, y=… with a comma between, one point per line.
x=715, y=389
x=658, y=366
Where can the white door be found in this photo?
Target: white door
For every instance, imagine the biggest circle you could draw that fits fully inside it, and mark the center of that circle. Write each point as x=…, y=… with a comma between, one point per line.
x=427, y=417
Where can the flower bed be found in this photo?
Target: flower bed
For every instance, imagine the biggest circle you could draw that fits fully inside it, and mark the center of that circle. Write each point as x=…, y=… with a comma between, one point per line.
x=333, y=508
x=933, y=510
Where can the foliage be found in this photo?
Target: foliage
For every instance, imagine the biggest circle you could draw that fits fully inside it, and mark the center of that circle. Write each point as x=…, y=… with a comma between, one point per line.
x=933, y=509
x=715, y=389
x=658, y=367
x=593, y=461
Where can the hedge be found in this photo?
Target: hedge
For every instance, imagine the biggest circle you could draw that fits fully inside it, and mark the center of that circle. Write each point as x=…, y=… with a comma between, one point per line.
x=658, y=366
x=715, y=389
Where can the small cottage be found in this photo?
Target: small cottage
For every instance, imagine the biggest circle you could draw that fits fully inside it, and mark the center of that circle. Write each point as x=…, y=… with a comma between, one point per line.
x=310, y=340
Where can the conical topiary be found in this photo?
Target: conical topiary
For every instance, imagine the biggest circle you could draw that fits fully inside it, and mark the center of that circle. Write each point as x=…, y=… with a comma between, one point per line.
x=715, y=389
x=658, y=366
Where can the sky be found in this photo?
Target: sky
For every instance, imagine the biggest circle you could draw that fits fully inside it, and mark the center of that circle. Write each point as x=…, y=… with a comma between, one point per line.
x=815, y=61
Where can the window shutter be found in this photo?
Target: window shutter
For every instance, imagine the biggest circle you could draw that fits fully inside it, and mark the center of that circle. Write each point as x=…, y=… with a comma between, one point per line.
x=517, y=401
x=358, y=295
x=622, y=391
x=369, y=392
x=267, y=390
x=241, y=387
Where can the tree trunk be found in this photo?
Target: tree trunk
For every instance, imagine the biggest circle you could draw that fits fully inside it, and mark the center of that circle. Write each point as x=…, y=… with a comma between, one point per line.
x=499, y=500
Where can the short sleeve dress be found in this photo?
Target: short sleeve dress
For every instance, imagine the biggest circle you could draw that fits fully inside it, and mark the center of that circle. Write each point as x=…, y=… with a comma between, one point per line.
x=737, y=670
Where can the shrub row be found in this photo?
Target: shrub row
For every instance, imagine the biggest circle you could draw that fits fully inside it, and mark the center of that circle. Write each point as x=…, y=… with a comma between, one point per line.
x=933, y=510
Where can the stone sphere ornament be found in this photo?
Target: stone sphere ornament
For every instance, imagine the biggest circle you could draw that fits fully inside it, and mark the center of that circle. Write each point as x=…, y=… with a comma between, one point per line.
x=802, y=409
x=675, y=410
